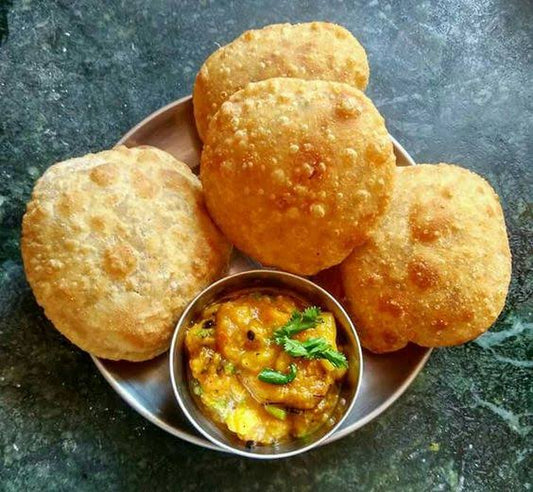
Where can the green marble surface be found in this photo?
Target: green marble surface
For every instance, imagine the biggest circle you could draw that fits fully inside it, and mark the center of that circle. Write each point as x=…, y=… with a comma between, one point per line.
x=454, y=81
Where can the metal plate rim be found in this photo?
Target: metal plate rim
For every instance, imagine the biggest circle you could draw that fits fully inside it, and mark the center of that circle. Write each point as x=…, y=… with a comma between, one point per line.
x=384, y=406
x=133, y=403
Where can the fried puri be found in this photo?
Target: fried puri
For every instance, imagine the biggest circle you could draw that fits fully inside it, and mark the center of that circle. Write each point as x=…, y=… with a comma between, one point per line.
x=316, y=50
x=115, y=244
x=437, y=270
x=296, y=173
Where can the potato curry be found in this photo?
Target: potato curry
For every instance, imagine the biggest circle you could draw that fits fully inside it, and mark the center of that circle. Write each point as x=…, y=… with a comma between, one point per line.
x=266, y=366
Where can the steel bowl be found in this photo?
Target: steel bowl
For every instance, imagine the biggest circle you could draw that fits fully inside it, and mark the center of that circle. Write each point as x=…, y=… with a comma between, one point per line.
x=263, y=279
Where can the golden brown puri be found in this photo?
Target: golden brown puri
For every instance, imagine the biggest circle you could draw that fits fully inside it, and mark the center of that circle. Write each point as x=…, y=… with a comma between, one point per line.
x=437, y=270
x=316, y=50
x=296, y=172
x=115, y=244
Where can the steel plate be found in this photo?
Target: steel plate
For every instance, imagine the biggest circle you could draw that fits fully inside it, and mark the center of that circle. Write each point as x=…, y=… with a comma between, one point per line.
x=146, y=386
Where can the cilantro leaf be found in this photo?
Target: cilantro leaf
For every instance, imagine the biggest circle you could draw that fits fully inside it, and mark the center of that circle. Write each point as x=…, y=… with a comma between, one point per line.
x=271, y=376
x=299, y=321
x=312, y=348
x=315, y=348
x=337, y=359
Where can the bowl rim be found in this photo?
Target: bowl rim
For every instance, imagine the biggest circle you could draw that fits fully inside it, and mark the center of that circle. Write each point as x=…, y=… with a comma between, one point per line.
x=250, y=454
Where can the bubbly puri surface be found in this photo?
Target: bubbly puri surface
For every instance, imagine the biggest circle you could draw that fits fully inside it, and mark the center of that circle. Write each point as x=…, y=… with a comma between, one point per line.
x=115, y=244
x=296, y=173
x=437, y=270
x=314, y=50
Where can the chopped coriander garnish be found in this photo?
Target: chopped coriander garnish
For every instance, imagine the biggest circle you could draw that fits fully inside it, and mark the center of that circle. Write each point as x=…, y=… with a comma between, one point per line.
x=229, y=368
x=315, y=348
x=337, y=359
x=205, y=332
x=196, y=388
x=301, y=349
x=220, y=405
x=274, y=377
x=299, y=321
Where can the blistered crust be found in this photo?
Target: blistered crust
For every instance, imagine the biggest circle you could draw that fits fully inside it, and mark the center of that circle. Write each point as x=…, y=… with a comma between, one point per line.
x=296, y=173
x=316, y=50
x=115, y=244
x=437, y=270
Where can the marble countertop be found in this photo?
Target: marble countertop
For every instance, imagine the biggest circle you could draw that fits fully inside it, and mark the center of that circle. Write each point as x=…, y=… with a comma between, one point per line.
x=454, y=82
